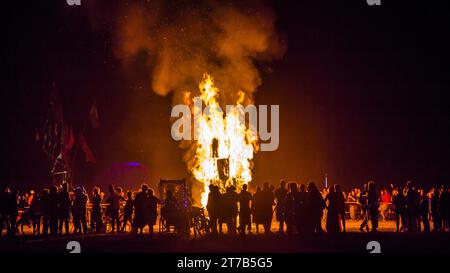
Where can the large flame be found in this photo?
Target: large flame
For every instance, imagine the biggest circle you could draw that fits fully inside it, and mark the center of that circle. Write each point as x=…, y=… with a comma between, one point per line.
x=221, y=136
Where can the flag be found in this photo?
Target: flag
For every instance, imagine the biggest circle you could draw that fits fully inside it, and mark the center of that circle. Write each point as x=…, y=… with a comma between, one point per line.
x=88, y=155
x=93, y=115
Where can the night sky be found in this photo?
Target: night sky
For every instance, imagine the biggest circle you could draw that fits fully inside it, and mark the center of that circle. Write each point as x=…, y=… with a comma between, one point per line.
x=362, y=93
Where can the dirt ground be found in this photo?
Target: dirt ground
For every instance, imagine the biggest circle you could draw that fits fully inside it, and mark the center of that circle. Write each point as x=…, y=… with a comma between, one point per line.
x=351, y=241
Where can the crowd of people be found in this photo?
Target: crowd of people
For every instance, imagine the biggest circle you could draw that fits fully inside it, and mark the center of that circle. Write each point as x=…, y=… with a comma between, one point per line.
x=298, y=209
x=51, y=211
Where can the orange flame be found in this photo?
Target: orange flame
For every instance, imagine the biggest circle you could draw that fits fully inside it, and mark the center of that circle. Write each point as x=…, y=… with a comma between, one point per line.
x=234, y=142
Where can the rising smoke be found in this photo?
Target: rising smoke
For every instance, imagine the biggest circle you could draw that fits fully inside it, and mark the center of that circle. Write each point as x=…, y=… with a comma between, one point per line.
x=181, y=40
x=184, y=39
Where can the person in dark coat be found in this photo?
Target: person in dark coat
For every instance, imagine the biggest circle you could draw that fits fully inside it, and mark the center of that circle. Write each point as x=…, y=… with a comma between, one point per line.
x=412, y=207
x=267, y=207
x=113, y=208
x=257, y=209
x=3, y=198
x=364, y=211
x=244, y=210
x=36, y=213
x=424, y=210
x=340, y=205
x=303, y=224
x=399, y=203
x=434, y=207
x=372, y=205
x=53, y=204
x=152, y=210
x=444, y=208
x=45, y=210
x=315, y=207
x=291, y=208
x=280, y=197
x=128, y=211
x=141, y=209
x=213, y=207
x=96, y=214
x=221, y=212
x=332, y=211
x=230, y=209
x=79, y=207
x=12, y=211
x=64, y=208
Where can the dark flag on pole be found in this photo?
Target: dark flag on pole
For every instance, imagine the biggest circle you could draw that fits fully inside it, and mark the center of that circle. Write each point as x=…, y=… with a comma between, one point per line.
x=54, y=137
x=88, y=155
x=93, y=115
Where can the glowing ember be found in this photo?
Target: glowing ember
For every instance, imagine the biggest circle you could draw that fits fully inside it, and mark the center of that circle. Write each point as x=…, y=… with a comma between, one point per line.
x=222, y=138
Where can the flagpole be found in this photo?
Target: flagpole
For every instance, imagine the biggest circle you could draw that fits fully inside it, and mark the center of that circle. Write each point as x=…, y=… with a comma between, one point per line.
x=77, y=148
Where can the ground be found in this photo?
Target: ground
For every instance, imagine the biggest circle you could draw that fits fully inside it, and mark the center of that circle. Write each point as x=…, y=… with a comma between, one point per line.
x=352, y=241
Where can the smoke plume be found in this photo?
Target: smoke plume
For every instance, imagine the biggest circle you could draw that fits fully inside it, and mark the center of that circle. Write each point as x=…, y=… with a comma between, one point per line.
x=181, y=40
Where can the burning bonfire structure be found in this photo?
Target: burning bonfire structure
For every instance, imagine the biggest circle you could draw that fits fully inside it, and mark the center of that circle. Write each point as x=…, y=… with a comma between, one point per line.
x=224, y=145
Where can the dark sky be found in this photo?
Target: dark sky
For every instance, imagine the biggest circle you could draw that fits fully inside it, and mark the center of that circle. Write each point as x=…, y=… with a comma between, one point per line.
x=362, y=93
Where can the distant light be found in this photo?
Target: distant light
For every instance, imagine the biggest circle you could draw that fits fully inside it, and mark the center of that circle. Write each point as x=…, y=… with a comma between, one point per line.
x=133, y=164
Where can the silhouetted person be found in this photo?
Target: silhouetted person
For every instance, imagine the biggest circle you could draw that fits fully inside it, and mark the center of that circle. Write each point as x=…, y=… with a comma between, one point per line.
x=332, y=211
x=152, y=210
x=257, y=208
x=64, y=208
x=36, y=213
x=128, y=211
x=340, y=205
x=444, y=207
x=12, y=211
x=79, y=211
x=399, y=203
x=113, y=208
x=424, y=210
x=315, y=207
x=267, y=207
x=213, y=207
x=171, y=212
x=141, y=202
x=434, y=207
x=365, y=213
x=291, y=208
x=96, y=214
x=230, y=208
x=3, y=218
x=280, y=197
x=222, y=212
x=372, y=205
x=244, y=210
x=412, y=207
x=303, y=224
x=45, y=204
x=54, y=211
